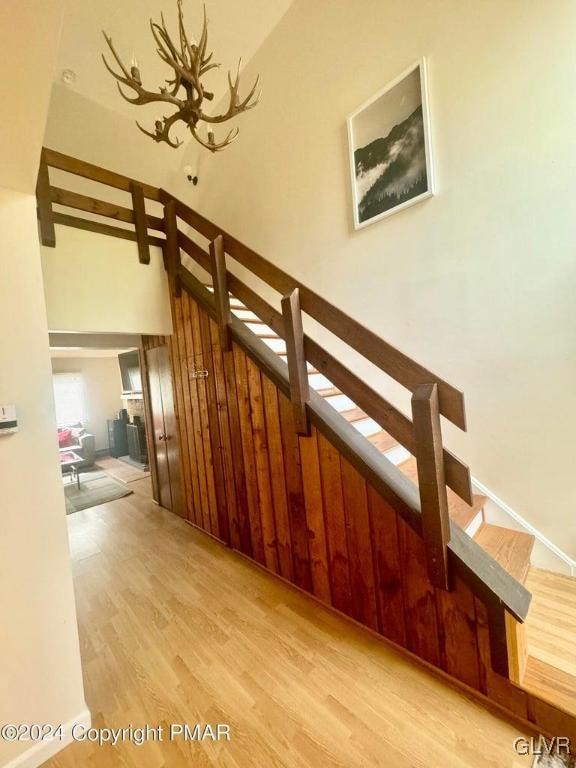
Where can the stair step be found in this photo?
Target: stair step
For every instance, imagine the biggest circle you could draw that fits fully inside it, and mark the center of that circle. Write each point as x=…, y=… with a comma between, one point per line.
x=383, y=441
x=329, y=392
x=460, y=512
x=551, y=683
x=353, y=414
x=510, y=548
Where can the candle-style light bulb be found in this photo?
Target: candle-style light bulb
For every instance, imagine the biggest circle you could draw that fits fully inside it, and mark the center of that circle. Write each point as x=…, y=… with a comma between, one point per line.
x=211, y=135
x=134, y=71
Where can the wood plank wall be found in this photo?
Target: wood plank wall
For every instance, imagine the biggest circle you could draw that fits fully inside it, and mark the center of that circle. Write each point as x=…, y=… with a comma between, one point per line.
x=300, y=509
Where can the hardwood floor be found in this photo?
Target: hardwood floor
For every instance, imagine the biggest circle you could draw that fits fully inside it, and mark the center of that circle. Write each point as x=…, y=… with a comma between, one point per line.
x=551, y=638
x=176, y=628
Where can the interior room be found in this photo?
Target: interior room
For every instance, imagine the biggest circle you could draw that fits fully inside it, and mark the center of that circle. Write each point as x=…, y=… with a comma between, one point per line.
x=101, y=424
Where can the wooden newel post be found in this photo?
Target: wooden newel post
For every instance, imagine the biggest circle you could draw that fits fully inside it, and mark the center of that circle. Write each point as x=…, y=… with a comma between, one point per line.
x=140, y=222
x=431, y=482
x=297, y=369
x=221, y=294
x=44, y=202
x=172, y=248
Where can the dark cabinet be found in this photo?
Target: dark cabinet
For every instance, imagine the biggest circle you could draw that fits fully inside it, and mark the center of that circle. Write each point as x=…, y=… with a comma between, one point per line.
x=117, y=438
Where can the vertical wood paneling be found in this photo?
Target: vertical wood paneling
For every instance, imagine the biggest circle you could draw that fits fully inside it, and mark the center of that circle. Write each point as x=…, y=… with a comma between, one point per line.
x=214, y=433
x=199, y=360
x=314, y=505
x=243, y=396
x=244, y=538
x=295, y=491
x=262, y=466
x=458, y=633
x=203, y=513
x=385, y=546
x=181, y=409
x=299, y=508
x=182, y=320
x=359, y=545
x=419, y=596
x=277, y=475
x=224, y=425
x=336, y=532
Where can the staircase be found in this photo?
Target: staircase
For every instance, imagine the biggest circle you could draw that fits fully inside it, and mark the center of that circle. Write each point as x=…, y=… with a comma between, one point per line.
x=511, y=548
x=371, y=501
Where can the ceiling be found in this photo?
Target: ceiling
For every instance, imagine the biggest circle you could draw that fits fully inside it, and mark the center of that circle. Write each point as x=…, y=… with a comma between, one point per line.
x=236, y=29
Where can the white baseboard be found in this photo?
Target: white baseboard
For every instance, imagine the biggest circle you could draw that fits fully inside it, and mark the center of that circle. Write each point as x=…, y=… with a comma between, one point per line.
x=545, y=554
x=41, y=751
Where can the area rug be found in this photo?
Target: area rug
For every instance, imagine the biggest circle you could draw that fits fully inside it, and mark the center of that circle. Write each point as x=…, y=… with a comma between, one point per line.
x=95, y=488
x=120, y=470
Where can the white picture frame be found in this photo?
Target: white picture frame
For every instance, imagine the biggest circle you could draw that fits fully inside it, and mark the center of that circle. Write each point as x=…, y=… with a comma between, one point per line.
x=409, y=176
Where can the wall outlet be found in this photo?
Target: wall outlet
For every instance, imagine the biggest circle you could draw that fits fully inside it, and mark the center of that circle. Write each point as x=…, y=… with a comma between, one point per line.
x=8, y=421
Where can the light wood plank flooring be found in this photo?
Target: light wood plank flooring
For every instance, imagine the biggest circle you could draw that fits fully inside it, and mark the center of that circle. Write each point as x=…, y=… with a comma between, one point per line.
x=551, y=638
x=176, y=628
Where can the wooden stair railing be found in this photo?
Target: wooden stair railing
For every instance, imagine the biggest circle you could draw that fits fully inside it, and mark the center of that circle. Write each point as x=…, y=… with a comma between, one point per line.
x=451, y=553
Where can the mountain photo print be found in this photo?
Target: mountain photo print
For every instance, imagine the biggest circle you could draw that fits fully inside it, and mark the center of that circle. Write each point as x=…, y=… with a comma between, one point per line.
x=390, y=153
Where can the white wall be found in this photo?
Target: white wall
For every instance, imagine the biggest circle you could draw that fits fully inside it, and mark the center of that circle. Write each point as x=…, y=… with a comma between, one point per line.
x=476, y=283
x=39, y=651
x=102, y=389
x=95, y=284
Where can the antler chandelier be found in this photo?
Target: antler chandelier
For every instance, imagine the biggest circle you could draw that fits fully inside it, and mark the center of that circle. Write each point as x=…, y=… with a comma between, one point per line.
x=185, y=91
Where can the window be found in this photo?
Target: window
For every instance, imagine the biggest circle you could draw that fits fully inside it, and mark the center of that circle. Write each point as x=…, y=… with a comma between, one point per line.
x=69, y=397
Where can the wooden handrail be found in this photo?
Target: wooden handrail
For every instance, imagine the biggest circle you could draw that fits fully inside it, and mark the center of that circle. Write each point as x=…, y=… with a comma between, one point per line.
x=372, y=403
x=379, y=352
x=80, y=202
x=431, y=482
x=490, y=582
x=297, y=368
x=221, y=293
x=96, y=173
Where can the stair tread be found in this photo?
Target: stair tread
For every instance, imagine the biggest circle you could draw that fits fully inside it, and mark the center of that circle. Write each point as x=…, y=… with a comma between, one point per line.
x=551, y=683
x=510, y=548
x=551, y=638
x=383, y=441
x=460, y=512
x=353, y=414
x=328, y=392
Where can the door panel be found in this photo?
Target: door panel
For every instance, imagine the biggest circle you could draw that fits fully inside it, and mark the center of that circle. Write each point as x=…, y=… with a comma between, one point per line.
x=165, y=429
x=153, y=360
x=170, y=430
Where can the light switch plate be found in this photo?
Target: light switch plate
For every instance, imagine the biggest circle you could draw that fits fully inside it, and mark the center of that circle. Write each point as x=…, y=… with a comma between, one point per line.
x=8, y=421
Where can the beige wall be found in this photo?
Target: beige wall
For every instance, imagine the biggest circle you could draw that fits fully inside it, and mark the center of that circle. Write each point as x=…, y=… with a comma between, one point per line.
x=41, y=680
x=95, y=284
x=476, y=283
x=39, y=653
x=102, y=387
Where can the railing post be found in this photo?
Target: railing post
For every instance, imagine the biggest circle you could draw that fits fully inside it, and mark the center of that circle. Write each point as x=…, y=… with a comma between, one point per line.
x=172, y=248
x=297, y=369
x=431, y=482
x=44, y=200
x=221, y=295
x=140, y=222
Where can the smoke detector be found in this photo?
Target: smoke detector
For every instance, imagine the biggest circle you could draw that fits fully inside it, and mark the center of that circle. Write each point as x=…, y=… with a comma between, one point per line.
x=68, y=76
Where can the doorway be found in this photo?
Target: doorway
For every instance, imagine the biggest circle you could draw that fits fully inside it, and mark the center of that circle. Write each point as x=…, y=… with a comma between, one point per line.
x=164, y=437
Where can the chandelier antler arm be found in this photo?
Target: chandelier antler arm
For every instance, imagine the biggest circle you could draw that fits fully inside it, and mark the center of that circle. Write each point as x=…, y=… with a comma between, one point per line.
x=132, y=80
x=215, y=146
x=235, y=106
x=162, y=130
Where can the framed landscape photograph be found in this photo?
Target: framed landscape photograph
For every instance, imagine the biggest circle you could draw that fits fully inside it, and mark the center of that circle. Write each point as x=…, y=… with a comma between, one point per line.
x=390, y=148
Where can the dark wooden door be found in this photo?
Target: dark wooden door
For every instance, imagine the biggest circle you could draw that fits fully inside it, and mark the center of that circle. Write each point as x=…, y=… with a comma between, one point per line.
x=165, y=428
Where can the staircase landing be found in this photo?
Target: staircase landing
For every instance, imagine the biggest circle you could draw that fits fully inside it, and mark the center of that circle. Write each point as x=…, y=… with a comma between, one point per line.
x=551, y=638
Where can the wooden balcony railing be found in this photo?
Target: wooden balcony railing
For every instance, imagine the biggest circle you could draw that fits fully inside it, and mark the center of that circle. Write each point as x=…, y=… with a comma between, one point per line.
x=449, y=550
